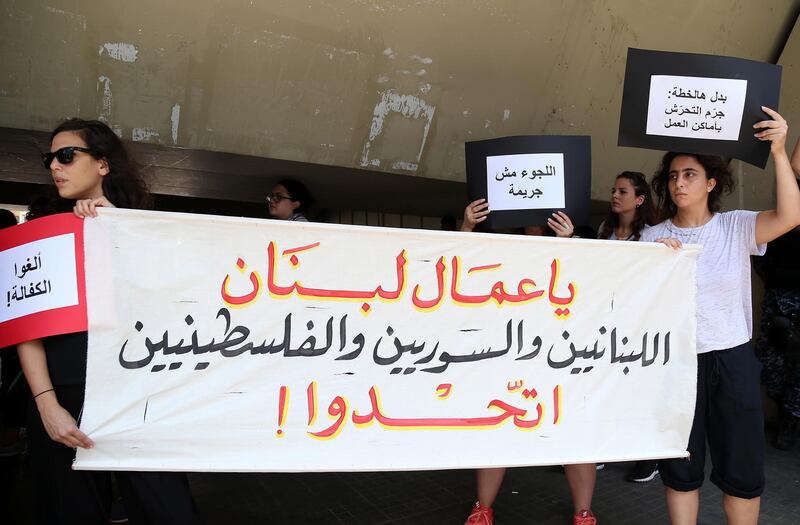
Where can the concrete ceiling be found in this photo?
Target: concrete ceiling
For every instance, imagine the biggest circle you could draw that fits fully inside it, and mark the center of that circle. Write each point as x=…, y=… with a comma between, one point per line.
x=385, y=86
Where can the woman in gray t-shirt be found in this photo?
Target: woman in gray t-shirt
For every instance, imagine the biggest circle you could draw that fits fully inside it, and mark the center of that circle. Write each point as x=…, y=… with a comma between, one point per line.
x=728, y=410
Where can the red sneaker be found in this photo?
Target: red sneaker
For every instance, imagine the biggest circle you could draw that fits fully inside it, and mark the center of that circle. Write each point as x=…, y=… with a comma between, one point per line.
x=481, y=515
x=584, y=517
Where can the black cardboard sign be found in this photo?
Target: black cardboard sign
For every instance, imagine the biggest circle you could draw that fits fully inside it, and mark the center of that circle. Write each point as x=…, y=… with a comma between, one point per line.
x=695, y=103
x=527, y=178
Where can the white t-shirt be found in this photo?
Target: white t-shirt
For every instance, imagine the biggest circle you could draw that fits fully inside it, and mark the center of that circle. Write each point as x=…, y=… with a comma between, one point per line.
x=724, y=305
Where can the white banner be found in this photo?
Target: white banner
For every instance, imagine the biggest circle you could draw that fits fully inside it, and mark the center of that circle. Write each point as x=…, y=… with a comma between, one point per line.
x=221, y=344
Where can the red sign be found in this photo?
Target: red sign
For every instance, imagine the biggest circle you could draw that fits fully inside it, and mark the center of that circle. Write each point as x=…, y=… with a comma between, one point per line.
x=43, y=281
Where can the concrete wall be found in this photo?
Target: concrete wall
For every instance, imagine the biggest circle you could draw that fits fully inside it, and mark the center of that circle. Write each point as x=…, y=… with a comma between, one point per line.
x=756, y=188
x=387, y=85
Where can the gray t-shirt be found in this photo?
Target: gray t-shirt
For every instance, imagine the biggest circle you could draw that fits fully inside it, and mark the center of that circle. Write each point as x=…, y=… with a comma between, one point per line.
x=724, y=304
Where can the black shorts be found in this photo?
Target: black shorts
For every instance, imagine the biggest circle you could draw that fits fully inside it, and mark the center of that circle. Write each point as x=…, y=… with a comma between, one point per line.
x=729, y=414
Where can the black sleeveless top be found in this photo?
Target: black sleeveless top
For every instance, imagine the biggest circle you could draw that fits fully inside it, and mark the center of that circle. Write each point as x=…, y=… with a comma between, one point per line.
x=66, y=358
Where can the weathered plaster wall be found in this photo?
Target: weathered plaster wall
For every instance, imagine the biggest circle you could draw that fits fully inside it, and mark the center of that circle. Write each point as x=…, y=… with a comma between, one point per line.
x=756, y=188
x=388, y=85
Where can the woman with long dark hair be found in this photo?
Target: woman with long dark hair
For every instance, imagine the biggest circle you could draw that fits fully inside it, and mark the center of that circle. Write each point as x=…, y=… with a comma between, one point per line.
x=631, y=208
x=90, y=167
x=630, y=213
x=728, y=411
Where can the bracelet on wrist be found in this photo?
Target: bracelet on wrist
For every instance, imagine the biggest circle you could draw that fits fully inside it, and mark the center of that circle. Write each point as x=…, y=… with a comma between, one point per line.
x=43, y=392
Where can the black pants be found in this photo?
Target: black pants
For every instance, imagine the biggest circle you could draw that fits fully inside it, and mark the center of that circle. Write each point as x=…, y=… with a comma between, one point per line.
x=157, y=498
x=66, y=496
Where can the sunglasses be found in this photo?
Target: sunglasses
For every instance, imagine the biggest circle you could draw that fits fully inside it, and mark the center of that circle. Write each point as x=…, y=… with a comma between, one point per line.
x=277, y=197
x=64, y=155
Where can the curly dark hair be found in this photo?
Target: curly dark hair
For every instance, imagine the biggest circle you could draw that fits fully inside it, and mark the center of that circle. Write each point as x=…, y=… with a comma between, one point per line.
x=124, y=185
x=715, y=167
x=645, y=213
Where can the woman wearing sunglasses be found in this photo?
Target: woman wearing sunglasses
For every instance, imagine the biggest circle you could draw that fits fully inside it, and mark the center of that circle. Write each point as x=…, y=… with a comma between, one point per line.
x=289, y=200
x=90, y=167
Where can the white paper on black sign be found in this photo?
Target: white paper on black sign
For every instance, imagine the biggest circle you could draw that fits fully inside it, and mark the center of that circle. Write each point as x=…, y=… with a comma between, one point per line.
x=696, y=107
x=526, y=181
